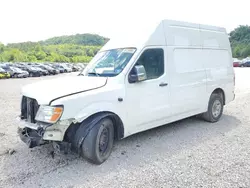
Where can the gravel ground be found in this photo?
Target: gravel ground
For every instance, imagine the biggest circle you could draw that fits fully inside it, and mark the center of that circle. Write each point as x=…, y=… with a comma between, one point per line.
x=188, y=153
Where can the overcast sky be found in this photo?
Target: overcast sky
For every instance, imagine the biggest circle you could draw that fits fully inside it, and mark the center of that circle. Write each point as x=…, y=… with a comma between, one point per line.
x=33, y=20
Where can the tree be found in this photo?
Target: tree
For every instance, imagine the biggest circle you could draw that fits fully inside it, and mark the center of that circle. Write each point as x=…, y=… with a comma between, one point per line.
x=13, y=55
x=245, y=52
x=240, y=41
x=237, y=52
x=40, y=55
x=32, y=58
x=1, y=47
x=240, y=35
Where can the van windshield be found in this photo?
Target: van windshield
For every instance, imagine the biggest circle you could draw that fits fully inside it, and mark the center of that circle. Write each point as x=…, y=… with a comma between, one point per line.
x=109, y=63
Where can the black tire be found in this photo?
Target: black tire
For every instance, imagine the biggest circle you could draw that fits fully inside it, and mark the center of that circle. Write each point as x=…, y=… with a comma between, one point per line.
x=31, y=74
x=215, y=100
x=94, y=151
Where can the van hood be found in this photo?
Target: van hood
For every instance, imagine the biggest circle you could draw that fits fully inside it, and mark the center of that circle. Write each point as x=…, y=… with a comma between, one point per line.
x=46, y=91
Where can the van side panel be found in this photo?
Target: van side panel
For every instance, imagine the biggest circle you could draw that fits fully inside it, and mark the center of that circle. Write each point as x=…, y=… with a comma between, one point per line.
x=214, y=39
x=201, y=61
x=219, y=72
x=188, y=84
x=185, y=36
x=188, y=76
x=217, y=58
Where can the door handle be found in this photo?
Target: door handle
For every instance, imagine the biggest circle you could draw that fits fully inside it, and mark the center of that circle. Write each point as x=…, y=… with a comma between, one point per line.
x=163, y=84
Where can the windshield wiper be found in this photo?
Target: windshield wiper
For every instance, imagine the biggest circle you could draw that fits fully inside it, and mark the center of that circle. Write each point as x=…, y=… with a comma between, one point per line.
x=81, y=74
x=94, y=73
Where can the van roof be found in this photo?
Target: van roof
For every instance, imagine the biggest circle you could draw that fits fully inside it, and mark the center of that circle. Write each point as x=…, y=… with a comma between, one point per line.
x=170, y=32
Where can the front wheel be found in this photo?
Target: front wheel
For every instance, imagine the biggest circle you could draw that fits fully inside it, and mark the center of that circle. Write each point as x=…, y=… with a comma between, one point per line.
x=98, y=144
x=215, y=108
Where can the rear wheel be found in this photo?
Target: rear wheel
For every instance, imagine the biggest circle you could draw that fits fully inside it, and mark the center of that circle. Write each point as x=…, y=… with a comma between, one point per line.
x=215, y=108
x=98, y=144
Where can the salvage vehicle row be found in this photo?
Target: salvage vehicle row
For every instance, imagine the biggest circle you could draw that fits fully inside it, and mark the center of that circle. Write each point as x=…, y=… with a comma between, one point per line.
x=24, y=70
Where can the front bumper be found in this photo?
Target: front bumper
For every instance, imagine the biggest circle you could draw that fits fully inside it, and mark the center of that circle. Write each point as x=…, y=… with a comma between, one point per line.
x=22, y=75
x=31, y=137
x=35, y=134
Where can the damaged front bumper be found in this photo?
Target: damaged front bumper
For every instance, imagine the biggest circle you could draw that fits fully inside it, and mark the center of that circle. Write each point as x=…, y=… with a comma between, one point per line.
x=35, y=134
x=31, y=137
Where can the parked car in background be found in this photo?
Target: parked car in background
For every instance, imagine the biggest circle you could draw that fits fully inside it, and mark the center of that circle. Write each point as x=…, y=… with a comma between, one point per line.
x=19, y=73
x=246, y=64
x=76, y=68
x=4, y=74
x=51, y=70
x=66, y=67
x=81, y=66
x=41, y=70
x=59, y=67
x=236, y=64
x=7, y=69
x=20, y=66
x=33, y=72
x=34, y=69
x=15, y=72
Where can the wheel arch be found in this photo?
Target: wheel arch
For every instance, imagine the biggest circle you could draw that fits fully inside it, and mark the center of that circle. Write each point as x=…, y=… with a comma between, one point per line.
x=76, y=133
x=221, y=92
x=118, y=124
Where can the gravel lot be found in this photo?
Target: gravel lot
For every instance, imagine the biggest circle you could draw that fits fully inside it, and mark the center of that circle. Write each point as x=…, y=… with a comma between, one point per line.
x=188, y=153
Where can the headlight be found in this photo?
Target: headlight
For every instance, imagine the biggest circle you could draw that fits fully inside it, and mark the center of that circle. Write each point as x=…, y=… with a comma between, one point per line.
x=49, y=114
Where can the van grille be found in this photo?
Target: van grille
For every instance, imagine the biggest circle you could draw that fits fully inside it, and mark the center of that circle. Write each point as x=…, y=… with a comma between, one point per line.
x=29, y=108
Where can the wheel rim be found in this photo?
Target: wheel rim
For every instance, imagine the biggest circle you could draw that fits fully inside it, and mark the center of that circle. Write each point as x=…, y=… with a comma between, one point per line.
x=216, y=108
x=104, y=140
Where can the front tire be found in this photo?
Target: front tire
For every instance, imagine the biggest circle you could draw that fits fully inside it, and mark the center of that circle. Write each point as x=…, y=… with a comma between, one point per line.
x=98, y=144
x=215, y=108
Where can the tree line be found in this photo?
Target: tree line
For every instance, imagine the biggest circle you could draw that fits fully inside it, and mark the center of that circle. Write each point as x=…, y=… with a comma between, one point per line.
x=73, y=48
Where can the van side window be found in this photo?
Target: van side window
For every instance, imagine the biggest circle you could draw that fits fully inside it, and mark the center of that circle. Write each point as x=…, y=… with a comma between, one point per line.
x=153, y=62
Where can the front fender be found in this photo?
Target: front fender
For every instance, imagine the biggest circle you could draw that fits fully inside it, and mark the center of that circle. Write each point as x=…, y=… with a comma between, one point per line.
x=94, y=108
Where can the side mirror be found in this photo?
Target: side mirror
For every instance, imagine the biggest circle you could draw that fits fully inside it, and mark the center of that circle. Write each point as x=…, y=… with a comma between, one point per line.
x=137, y=74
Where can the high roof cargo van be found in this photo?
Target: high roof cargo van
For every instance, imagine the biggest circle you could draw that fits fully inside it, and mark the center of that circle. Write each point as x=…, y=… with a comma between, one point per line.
x=134, y=83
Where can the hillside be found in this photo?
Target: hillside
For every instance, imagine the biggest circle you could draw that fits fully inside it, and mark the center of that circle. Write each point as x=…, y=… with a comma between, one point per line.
x=79, y=39
x=72, y=48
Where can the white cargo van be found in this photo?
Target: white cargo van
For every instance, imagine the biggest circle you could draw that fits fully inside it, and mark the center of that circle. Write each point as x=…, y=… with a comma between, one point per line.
x=133, y=84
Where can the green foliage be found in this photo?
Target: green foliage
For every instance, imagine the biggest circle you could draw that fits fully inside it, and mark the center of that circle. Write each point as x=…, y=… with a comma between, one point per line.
x=13, y=55
x=1, y=47
x=240, y=41
x=75, y=48
x=79, y=39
